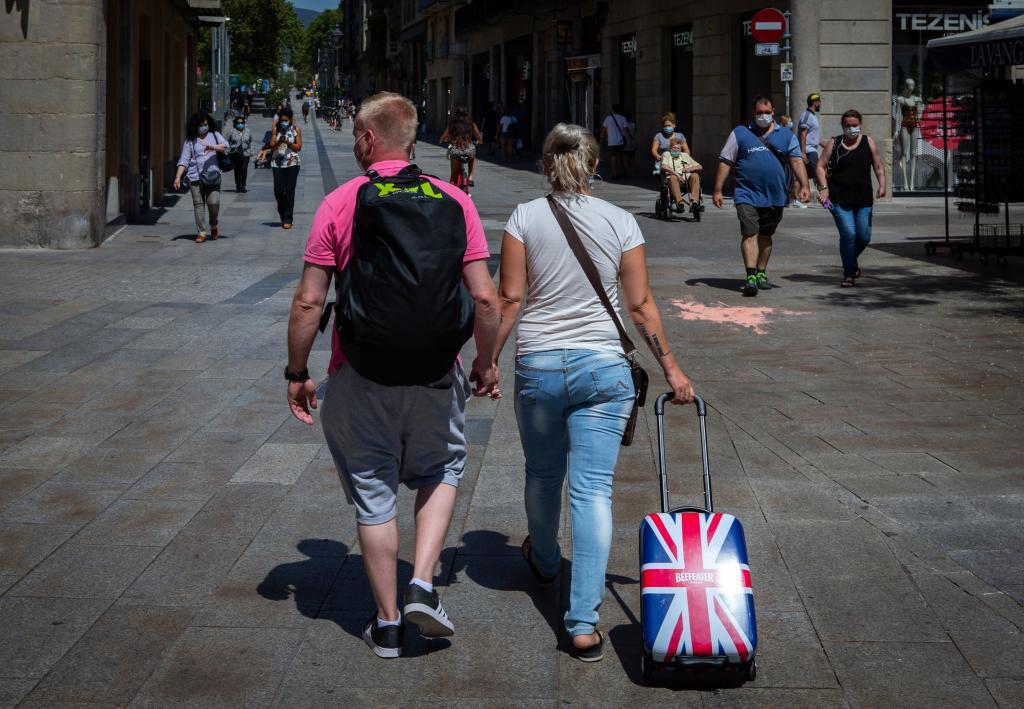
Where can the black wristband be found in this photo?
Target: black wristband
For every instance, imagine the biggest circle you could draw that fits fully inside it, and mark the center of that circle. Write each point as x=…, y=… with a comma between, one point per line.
x=296, y=376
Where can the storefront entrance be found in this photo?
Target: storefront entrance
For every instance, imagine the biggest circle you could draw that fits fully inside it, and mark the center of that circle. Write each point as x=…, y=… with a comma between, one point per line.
x=682, y=80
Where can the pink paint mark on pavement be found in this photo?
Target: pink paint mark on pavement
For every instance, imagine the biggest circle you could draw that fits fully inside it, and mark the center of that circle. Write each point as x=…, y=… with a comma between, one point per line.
x=753, y=318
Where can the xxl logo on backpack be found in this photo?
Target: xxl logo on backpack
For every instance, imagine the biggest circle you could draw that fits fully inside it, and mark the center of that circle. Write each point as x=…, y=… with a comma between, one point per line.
x=403, y=311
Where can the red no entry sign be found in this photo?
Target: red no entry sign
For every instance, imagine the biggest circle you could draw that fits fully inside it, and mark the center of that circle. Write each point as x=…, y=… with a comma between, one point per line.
x=768, y=25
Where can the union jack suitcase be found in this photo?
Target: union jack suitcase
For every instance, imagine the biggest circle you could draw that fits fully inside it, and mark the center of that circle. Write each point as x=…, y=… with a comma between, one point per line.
x=696, y=602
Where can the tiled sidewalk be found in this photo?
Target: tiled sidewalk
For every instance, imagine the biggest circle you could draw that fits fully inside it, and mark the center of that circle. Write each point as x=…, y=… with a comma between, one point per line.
x=169, y=537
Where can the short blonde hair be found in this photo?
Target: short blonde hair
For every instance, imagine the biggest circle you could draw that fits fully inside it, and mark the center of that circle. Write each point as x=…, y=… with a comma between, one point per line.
x=676, y=140
x=570, y=157
x=392, y=117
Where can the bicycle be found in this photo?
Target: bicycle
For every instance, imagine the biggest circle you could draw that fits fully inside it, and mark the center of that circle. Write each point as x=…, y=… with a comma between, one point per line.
x=462, y=179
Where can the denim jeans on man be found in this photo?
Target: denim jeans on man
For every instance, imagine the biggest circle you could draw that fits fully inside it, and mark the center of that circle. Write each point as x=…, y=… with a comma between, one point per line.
x=854, y=226
x=572, y=407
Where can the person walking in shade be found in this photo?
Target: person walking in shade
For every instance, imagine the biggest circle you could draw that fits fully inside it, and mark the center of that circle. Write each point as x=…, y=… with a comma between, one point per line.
x=198, y=163
x=809, y=132
x=763, y=154
x=285, y=144
x=574, y=390
x=240, y=150
x=844, y=187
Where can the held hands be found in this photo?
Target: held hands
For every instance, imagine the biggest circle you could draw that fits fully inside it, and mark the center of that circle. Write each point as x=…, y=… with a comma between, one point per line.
x=301, y=398
x=485, y=377
x=681, y=386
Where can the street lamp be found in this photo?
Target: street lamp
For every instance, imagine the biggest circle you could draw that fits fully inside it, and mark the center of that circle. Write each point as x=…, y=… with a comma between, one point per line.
x=336, y=36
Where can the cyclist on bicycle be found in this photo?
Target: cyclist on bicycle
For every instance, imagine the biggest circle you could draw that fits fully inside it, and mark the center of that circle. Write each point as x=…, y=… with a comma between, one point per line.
x=462, y=136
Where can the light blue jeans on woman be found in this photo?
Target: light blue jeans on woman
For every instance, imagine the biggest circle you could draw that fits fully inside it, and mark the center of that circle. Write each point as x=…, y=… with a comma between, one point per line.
x=572, y=407
x=854, y=226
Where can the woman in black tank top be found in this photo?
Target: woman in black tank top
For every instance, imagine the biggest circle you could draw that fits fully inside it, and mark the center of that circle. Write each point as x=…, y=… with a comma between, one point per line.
x=844, y=179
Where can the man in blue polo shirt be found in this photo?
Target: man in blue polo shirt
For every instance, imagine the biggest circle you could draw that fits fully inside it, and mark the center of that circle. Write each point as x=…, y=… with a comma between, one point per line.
x=760, y=152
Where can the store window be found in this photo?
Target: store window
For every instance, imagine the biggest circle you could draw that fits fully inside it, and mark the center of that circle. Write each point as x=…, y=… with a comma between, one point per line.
x=682, y=78
x=916, y=104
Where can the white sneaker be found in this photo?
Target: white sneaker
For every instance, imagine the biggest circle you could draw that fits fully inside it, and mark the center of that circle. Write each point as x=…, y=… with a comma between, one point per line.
x=798, y=203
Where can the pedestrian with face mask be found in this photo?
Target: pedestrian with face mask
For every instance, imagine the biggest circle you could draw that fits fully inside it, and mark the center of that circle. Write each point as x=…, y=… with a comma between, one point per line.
x=809, y=132
x=240, y=150
x=844, y=188
x=763, y=154
x=285, y=144
x=198, y=163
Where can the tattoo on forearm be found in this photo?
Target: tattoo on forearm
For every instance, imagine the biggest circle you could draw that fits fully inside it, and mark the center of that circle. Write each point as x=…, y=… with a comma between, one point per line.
x=652, y=341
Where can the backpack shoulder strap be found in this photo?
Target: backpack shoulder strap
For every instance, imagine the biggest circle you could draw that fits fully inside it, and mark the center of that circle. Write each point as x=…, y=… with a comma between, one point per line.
x=373, y=175
x=590, y=270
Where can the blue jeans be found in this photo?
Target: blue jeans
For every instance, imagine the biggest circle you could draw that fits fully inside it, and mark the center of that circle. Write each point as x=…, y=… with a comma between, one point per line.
x=572, y=407
x=854, y=226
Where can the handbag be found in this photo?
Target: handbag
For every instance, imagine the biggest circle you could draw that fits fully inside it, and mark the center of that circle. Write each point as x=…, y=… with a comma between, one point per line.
x=223, y=159
x=638, y=373
x=210, y=175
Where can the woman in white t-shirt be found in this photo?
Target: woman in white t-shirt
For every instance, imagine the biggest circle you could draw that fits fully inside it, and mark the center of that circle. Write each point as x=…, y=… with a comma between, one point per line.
x=573, y=389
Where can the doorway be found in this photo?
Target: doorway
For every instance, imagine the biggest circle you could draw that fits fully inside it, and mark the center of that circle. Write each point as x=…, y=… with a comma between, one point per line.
x=682, y=80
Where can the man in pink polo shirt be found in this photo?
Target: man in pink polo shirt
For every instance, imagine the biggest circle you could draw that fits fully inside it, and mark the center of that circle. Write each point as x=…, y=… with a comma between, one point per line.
x=384, y=425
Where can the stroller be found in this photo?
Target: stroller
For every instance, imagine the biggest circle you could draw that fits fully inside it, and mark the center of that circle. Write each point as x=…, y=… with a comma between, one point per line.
x=263, y=156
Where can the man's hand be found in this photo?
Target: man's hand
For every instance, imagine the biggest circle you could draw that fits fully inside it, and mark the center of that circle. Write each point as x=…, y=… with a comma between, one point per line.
x=301, y=398
x=681, y=386
x=805, y=194
x=485, y=376
x=716, y=199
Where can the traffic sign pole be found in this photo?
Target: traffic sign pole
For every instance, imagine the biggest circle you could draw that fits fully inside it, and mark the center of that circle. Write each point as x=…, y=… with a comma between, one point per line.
x=788, y=47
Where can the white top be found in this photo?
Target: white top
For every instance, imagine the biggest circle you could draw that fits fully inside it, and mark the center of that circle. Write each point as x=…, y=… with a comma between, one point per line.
x=506, y=123
x=612, y=124
x=562, y=310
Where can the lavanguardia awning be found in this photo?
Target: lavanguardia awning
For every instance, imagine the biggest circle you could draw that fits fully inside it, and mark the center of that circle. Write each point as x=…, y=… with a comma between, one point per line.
x=1000, y=44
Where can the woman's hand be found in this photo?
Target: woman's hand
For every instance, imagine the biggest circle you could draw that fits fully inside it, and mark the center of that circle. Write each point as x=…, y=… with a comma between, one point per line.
x=881, y=192
x=822, y=194
x=681, y=385
x=177, y=183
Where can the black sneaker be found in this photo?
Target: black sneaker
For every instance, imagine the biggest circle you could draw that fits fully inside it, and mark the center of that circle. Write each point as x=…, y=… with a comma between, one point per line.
x=385, y=642
x=424, y=609
x=750, y=287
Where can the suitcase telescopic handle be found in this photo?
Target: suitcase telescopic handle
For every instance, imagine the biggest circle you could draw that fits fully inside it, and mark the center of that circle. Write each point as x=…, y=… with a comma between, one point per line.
x=702, y=414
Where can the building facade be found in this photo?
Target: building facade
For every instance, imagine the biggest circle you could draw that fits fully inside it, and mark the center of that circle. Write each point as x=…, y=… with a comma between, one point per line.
x=558, y=61
x=96, y=95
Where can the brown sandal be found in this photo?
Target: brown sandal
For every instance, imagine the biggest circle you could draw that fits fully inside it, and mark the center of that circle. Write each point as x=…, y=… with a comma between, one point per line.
x=847, y=283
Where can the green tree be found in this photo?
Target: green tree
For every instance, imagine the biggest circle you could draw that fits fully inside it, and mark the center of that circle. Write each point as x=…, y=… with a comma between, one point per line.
x=260, y=32
x=316, y=40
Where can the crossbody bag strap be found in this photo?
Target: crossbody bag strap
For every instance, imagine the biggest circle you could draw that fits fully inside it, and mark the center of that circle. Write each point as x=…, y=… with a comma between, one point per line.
x=590, y=270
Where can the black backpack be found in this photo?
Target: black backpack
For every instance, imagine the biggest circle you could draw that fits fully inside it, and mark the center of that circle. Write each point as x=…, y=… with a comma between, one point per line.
x=403, y=312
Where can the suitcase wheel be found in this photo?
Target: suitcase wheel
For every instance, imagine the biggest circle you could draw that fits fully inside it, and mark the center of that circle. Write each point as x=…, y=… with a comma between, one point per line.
x=646, y=668
x=752, y=670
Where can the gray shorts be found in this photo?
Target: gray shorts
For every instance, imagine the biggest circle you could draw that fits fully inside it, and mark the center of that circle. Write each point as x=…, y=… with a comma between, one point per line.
x=380, y=436
x=758, y=220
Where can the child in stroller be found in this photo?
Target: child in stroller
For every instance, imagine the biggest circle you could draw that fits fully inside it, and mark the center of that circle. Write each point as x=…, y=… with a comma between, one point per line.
x=678, y=169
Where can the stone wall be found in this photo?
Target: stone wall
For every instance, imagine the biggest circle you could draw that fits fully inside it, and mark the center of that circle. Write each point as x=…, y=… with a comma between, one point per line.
x=52, y=93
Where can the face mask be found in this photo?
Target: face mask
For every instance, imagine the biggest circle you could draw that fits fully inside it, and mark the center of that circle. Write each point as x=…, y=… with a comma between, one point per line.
x=851, y=131
x=284, y=124
x=763, y=120
x=239, y=126
x=668, y=130
x=355, y=151
x=676, y=153
x=203, y=130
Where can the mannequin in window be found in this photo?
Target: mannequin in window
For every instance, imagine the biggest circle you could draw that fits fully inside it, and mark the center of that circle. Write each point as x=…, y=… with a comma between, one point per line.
x=906, y=113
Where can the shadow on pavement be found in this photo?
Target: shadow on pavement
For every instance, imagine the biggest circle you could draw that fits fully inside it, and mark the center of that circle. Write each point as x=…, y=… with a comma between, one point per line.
x=733, y=285
x=902, y=287
x=476, y=557
x=302, y=581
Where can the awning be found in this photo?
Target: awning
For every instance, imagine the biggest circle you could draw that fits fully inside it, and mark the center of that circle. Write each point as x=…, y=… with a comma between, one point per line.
x=1001, y=44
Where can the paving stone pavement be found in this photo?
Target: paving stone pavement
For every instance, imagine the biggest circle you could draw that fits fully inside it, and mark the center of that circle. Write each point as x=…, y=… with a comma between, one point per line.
x=169, y=537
